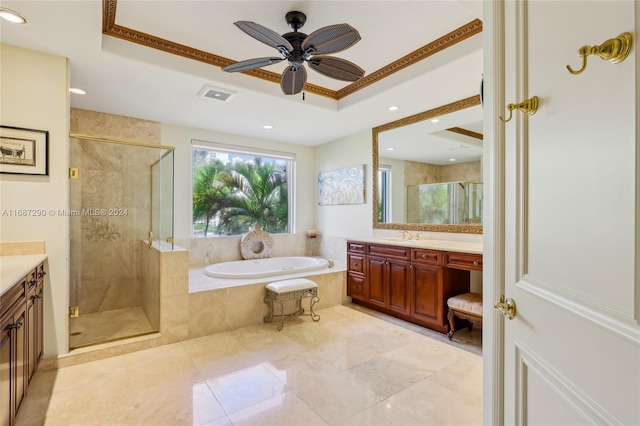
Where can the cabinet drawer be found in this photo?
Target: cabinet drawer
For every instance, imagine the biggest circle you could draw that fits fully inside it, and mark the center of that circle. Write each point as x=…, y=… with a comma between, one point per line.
x=466, y=261
x=432, y=257
x=355, y=286
x=356, y=247
x=356, y=263
x=396, y=252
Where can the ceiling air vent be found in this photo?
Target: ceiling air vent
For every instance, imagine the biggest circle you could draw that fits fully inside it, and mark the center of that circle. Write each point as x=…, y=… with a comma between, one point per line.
x=216, y=93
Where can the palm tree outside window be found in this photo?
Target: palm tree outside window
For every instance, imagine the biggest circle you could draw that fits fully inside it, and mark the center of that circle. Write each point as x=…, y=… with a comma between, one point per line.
x=234, y=190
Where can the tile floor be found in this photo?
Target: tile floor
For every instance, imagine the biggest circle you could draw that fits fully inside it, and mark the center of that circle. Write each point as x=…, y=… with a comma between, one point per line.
x=353, y=367
x=101, y=327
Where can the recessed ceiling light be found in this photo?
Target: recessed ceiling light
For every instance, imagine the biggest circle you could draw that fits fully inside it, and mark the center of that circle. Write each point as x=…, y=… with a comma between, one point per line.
x=391, y=149
x=12, y=16
x=435, y=120
x=452, y=159
x=77, y=91
x=267, y=126
x=392, y=108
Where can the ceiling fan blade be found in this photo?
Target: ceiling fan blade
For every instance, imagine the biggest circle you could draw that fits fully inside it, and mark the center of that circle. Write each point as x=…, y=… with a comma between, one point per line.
x=250, y=64
x=264, y=34
x=337, y=68
x=331, y=39
x=292, y=80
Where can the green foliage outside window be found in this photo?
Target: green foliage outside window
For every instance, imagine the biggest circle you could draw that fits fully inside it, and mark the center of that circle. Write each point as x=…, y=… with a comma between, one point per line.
x=231, y=196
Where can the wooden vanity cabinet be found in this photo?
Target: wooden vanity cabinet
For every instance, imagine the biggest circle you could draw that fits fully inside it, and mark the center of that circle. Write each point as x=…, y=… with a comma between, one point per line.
x=410, y=283
x=21, y=341
x=13, y=352
x=388, y=275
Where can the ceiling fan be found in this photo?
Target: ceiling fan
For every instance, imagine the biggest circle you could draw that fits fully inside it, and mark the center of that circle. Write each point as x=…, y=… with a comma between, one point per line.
x=298, y=48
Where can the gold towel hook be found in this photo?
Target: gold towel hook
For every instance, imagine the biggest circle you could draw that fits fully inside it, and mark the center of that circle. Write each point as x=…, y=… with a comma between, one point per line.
x=614, y=50
x=529, y=106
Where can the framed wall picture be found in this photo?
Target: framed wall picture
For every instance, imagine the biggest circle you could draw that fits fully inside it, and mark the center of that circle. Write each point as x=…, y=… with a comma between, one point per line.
x=341, y=186
x=24, y=151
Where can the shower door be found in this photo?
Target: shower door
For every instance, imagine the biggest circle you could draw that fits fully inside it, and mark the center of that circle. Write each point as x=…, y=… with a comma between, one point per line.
x=111, y=209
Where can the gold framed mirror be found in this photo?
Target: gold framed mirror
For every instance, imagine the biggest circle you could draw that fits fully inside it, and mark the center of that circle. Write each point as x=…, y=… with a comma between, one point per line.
x=411, y=175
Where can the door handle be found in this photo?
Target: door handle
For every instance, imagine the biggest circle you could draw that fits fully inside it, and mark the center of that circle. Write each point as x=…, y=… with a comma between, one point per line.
x=506, y=307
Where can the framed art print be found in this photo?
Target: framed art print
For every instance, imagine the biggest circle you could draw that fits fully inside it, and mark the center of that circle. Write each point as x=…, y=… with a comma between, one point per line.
x=24, y=151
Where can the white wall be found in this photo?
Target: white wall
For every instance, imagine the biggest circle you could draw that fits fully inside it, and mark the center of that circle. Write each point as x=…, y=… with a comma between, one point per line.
x=181, y=137
x=34, y=94
x=349, y=220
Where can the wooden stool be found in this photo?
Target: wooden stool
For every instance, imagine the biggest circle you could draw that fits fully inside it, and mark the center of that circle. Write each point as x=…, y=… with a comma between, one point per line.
x=293, y=289
x=467, y=306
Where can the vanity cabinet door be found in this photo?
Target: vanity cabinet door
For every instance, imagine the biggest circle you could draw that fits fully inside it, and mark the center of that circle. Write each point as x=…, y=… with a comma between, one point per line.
x=426, y=292
x=377, y=294
x=398, y=275
x=6, y=384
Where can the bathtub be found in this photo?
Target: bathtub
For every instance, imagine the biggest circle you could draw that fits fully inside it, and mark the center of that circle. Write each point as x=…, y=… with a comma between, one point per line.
x=269, y=267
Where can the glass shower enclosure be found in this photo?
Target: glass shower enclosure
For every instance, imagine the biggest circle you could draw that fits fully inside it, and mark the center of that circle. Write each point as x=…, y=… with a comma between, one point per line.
x=121, y=204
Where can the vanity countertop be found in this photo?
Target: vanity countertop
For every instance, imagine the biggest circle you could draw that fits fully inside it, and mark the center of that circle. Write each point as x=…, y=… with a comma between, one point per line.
x=14, y=268
x=443, y=245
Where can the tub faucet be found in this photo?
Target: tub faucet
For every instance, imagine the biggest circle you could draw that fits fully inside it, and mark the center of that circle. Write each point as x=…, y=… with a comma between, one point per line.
x=406, y=235
x=328, y=260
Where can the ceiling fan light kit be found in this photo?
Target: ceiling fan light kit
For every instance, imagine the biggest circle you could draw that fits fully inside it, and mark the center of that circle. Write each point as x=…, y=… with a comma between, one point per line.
x=298, y=48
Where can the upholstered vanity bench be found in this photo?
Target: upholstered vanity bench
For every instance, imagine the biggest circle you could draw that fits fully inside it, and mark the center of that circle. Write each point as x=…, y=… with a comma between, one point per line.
x=293, y=289
x=467, y=306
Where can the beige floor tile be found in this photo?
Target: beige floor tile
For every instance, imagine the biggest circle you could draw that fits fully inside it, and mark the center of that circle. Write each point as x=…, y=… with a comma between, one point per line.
x=337, y=397
x=100, y=327
x=383, y=340
x=342, y=354
x=386, y=376
x=245, y=388
x=285, y=409
x=309, y=335
x=159, y=371
x=382, y=414
x=300, y=369
x=463, y=377
x=96, y=404
x=426, y=355
x=434, y=404
x=192, y=407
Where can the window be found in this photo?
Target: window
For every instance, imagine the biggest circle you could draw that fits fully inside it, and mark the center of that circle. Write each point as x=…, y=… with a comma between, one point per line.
x=236, y=188
x=384, y=193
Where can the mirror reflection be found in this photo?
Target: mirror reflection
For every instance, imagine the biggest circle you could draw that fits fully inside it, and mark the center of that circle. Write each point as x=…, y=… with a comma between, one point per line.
x=429, y=170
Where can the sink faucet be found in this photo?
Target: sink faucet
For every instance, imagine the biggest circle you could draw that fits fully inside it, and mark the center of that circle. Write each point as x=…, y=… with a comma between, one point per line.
x=407, y=235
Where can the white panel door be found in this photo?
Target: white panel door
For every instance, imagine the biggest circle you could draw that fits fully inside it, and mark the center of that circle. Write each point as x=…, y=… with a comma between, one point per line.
x=572, y=352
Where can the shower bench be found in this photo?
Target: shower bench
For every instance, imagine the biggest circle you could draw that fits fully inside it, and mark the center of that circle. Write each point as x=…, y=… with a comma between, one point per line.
x=294, y=289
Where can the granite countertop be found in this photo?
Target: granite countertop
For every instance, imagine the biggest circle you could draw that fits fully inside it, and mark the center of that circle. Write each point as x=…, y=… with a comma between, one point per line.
x=14, y=268
x=443, y=245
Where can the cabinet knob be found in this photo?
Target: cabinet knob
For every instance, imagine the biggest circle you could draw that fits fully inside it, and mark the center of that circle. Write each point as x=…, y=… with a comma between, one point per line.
x=33, y=281
x=424, y=256
x=475, y=263
x=17, y=325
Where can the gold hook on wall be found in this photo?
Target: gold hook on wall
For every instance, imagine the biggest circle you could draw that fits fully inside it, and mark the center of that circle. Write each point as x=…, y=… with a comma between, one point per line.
x=614, y=50
x=529, y=106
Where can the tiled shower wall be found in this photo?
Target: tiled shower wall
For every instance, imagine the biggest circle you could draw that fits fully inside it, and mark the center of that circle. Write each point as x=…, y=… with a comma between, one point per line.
x=106, y=268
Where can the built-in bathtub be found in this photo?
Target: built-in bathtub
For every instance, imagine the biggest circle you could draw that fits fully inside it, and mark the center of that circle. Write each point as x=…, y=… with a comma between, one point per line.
x=222, y=304
x=268, y=267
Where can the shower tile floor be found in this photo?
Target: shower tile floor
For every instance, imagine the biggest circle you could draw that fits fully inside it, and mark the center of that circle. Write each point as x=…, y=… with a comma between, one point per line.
x=101, y=327
x=353, y=367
